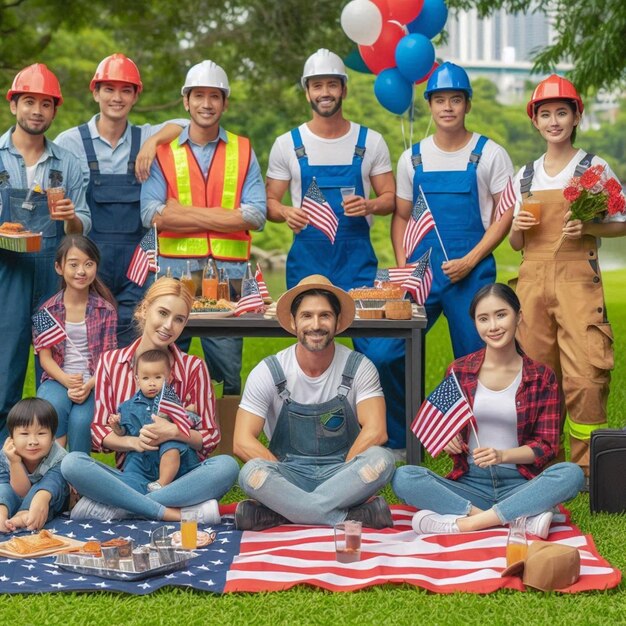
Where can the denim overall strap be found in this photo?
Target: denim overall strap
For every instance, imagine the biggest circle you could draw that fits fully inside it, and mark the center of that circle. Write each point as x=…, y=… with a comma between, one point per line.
x=135, y=146
x=349, y=372
x=90, y=153
x=350, y=261
x=529, y=172
x=280, y=381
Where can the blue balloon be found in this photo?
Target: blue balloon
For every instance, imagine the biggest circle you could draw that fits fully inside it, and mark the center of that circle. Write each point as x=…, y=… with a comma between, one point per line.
x=431, y=20
x=393, y=91
x=415, y=55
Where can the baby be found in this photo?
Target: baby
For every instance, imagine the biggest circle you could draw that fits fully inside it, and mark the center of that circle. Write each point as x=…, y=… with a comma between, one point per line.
x=159, y=468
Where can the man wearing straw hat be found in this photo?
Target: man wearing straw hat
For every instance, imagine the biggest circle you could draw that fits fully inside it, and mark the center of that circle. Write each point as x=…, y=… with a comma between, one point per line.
x=321, y=406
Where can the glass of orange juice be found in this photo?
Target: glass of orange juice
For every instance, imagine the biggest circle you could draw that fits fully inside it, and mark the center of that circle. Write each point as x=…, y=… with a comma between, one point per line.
x=533, y=206
x=516, y=543
x=188, y=530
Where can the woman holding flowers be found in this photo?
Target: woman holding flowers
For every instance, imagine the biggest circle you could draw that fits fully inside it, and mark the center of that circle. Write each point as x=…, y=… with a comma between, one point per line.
x=567, y=200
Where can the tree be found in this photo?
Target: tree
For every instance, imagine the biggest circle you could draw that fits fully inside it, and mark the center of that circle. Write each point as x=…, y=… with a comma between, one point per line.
x=589, y=33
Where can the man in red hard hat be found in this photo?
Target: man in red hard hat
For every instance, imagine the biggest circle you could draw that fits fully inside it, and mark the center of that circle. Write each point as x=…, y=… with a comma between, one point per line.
x=29, y=166
x=108, y=147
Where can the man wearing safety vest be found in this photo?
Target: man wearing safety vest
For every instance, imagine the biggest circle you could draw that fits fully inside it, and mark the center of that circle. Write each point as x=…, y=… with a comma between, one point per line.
x=29, y=166
x=338, y=154
x=205, y=193
x=108, y=148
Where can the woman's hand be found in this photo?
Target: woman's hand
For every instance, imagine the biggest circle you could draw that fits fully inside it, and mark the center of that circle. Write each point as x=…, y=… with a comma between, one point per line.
x=524, y=220
x=484, y=457
x=160, y=431
x=456, y=446
x=572, y=229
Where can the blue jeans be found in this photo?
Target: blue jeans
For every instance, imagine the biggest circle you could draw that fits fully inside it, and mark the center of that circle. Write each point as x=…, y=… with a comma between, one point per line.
x=74, y=419
x=210, y=480
x=317, y=490
x=502, y=488
x=51, y=482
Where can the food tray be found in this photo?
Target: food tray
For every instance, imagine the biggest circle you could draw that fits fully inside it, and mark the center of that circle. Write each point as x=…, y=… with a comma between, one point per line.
x=21, y=242
x=68, y=544
x=217, y=314
x=370, y=304
x=94, y=566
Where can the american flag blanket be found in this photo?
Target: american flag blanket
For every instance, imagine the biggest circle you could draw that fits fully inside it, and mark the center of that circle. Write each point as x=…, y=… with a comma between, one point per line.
x=286, y=556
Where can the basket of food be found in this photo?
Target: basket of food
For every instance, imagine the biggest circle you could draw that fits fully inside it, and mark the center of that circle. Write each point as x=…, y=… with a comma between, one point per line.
x=14, y=237
x=372, y=302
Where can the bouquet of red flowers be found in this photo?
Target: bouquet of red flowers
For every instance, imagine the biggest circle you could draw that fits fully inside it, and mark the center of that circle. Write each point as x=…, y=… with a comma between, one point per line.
x=594, y=195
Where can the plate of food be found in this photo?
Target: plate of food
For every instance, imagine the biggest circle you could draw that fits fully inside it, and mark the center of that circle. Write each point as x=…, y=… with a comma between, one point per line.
x=14, y=237
x=43, y=543
x=207, y=308
x=204, y=539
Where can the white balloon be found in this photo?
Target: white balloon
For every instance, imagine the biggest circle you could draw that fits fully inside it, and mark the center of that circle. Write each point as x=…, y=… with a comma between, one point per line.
x=362, y=22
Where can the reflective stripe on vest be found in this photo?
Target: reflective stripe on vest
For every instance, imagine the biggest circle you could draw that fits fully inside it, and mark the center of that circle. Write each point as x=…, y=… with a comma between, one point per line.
x=581, y=431
x=230, y=166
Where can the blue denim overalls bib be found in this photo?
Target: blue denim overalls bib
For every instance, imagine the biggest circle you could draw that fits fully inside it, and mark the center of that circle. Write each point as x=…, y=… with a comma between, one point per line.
x=351, y=261
x=454, y=202
x=114, y=200
x=325, y=430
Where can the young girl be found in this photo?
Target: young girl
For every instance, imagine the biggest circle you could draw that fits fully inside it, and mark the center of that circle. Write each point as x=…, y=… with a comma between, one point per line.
x=85, y=309
x=516, y=402
x=32, y=488
x=565, y=323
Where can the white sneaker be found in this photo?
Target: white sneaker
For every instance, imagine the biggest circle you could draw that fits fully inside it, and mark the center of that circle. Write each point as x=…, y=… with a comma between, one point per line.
x=207, y=512
x=428, y=522
x=539, y=525
x=86, y=508
x=155, y=486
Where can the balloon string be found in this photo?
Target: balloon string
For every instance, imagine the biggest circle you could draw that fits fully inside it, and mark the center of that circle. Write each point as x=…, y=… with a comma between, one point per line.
x=403, y=133
x=412, y=117
x=430, y=121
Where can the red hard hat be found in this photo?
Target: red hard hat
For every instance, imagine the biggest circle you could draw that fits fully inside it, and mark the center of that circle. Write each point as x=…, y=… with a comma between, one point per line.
x=554, y=88
x=119, y=68
x=36, y=79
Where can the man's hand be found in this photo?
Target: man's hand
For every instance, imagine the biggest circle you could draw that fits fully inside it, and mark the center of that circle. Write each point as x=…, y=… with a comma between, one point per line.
x=356, y=206
x=64, y=210
x=297, y=219
x=10, y=451
x=457, y=269
x=146, y=155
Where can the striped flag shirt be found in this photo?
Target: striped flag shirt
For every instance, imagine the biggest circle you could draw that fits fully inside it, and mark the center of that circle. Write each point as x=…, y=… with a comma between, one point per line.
x=144, y=259
x=258, y=276
x=442, y=415
x=170, y=405
x=115, y=383
x=420, y=223
x=420, y=280
x=321, y=214
x=507, y=200
x=47, y=331
x=250, y=301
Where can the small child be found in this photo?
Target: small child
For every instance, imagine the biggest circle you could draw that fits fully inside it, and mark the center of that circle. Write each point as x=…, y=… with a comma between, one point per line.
x=32, y=489
x=152, y=370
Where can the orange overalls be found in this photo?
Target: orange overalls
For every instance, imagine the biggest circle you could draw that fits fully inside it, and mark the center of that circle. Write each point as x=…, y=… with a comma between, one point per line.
x=564, y=322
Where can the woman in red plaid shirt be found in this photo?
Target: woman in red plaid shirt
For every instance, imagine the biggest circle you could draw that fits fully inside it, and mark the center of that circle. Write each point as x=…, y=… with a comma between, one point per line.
x=497, y=475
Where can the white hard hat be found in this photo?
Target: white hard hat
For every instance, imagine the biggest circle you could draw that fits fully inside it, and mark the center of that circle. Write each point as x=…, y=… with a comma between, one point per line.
x=206, y=74
x=323, y=63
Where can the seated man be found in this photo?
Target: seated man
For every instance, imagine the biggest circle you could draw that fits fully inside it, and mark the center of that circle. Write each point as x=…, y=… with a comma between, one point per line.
x=322, y=408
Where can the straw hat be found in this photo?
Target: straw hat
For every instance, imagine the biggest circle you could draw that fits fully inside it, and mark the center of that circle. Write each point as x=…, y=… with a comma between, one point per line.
x=315, y=281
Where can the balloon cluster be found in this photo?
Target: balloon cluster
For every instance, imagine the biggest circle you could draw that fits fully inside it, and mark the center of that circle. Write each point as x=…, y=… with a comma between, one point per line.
x=394, y=40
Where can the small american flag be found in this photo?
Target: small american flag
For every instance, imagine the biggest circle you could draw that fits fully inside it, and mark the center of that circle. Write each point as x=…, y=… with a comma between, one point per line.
x=420, y=223
x=145, y=259
x=507, y=200
x=394, y=274
x=170, y=405
x=258, y=276
x=251, y=300
x=442, y=415
x=420, y=280
x=321, y=214
x=47, y=331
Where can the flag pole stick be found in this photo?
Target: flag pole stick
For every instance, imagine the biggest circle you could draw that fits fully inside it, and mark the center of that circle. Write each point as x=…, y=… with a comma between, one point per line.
x=445, y=254
x=156, y=253
x=461, y=392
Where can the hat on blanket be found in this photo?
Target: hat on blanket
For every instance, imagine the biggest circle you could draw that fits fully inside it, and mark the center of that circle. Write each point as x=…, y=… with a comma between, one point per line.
x=548, y=566
x=310, y=283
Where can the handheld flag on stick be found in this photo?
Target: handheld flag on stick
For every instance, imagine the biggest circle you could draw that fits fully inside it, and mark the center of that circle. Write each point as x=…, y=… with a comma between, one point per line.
x=250, y=301
x=47, y=331
x=170, y=405
x=442, y=415
x=420, y=280
x=420, y=223
x=320, y=213
x=145, y=258
x=507, y=200
x=258, y=276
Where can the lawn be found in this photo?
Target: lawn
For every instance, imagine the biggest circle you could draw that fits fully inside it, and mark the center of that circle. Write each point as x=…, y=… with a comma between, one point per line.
x=382, y=605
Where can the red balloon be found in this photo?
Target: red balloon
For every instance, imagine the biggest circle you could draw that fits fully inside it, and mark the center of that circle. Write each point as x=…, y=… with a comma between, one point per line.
x=383, y=7
x=404, y=11
x=381, y=55
x=425, y=78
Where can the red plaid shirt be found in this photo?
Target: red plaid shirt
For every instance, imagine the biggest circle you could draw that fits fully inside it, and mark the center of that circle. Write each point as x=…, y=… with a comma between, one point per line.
x=538, y=405
x=101, y=323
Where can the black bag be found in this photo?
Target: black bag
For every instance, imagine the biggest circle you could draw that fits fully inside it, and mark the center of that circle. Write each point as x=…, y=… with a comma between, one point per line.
x=607, y=483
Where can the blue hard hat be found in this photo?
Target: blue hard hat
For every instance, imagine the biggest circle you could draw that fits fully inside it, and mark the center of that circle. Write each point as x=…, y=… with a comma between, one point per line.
x=448, y=77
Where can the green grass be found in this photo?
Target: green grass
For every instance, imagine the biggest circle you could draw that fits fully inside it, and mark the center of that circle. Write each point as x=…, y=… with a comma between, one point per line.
x=382, y=605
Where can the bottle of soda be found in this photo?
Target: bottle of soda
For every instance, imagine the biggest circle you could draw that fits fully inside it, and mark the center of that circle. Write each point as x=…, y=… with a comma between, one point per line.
x=187, y=280
x=209, y=281
x=223, y=285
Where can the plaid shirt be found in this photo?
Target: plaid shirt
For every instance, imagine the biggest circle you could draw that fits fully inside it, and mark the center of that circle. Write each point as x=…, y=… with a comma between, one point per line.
x=101, y=323
x=538, y=405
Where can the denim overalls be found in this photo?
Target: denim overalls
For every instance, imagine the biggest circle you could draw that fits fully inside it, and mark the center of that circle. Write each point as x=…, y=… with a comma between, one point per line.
x=114, y=200
x=351, y=261
x=26, y=280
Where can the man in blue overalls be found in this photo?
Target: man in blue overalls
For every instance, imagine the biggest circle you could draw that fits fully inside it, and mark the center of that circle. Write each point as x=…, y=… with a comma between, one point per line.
x=29, y=165
x=107, y=147
x=462, y=175
x=322, y=408
x=346, y=160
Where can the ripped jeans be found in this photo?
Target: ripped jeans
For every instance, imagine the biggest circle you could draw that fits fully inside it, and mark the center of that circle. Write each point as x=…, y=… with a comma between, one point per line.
x=317, y=490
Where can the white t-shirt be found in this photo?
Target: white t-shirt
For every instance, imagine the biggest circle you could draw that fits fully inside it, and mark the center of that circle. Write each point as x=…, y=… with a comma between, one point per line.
x=260, y=396
x=283, y=163
x=493, y=171
x=543, y=182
